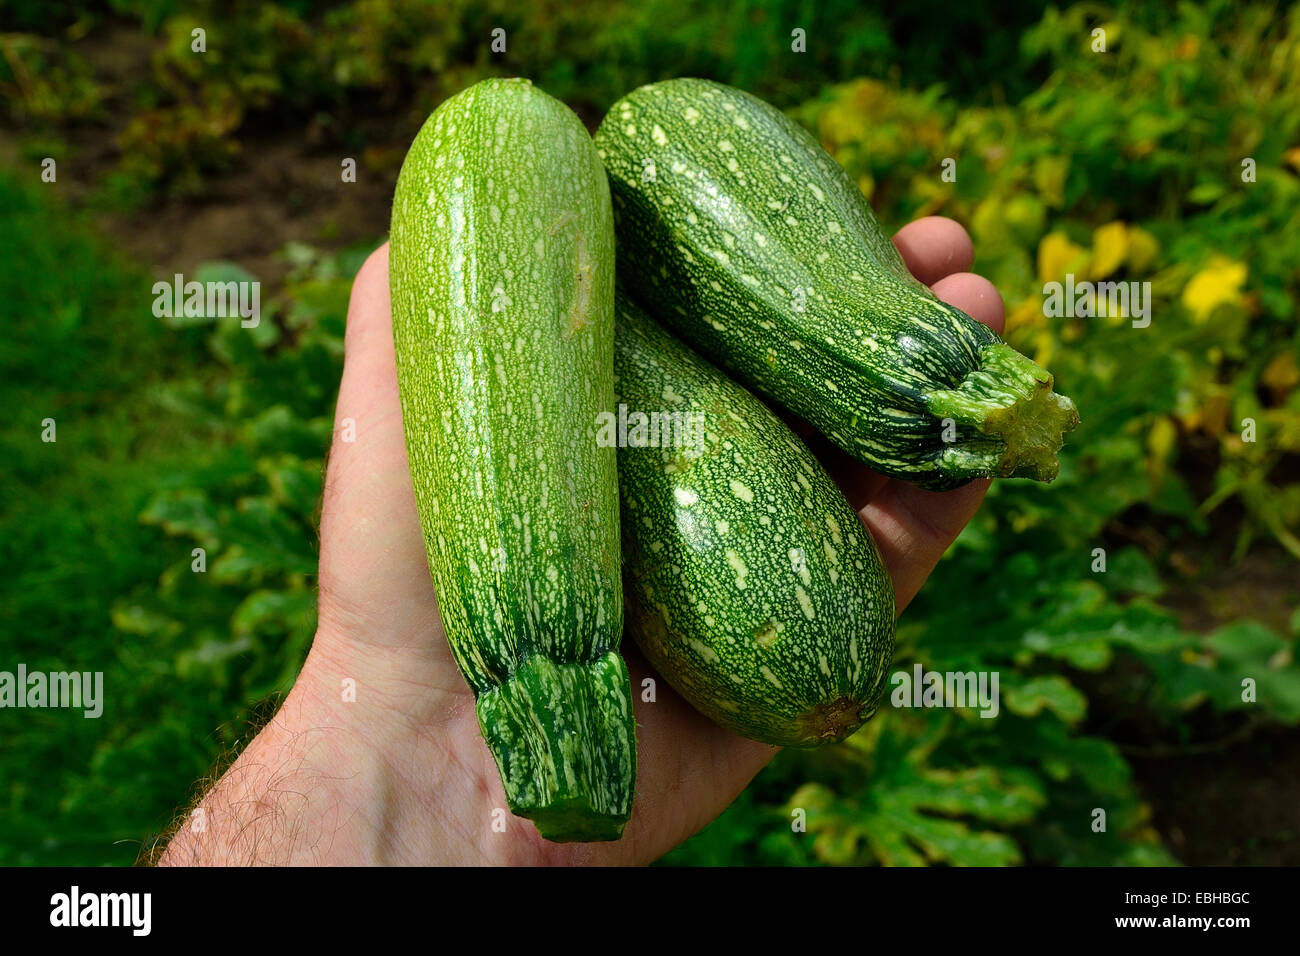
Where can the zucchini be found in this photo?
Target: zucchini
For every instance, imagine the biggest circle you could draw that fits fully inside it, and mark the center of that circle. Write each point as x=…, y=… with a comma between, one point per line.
x=738, y=231
x=752, y=586
x=501, y=272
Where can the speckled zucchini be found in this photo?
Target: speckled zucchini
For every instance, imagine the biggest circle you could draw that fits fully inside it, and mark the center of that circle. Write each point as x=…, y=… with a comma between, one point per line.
x=752, y=586
x=501, y=270
x=737, y=230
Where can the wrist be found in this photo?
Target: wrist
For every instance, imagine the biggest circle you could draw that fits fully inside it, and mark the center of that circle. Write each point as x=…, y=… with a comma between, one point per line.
x=316, y=786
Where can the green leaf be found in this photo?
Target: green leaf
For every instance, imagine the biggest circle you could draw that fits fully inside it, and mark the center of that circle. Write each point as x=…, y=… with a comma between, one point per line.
x=1245, y=642
x=185, y=512
x=295, y=485
x=911, y=814
x=1054, y=693
x=1205, y=193
x=220, y=270
x=275, y=611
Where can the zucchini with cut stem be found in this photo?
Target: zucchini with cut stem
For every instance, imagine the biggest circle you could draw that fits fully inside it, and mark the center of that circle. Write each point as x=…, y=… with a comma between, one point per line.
x=739, y=232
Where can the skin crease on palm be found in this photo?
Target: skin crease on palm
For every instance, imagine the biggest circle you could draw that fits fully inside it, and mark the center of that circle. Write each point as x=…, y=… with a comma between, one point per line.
x=401, y=774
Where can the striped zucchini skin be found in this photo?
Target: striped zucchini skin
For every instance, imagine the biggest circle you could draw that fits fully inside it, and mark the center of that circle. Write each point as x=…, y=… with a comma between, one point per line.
x=501, y=272
x=751, y=584
x=738, y=231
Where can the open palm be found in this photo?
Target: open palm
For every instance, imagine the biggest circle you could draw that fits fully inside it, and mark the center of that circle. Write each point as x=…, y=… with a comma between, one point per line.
x=410, y=778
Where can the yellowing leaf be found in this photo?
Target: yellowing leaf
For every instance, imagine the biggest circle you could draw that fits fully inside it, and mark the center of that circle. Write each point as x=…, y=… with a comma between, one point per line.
x=1214, y=414
x=840, y=125
x=847, y=118
x=1280, y=375
x=1161, y=442
x=1142, y=249
x=1057, y=255
x=987, y=220
x=1049, y=178
x=1187, y=47
x=1044, y=348
x=1219, y=283
x=851, y=115
x=1211, y=415
x=1109, y=249
x=1025, y=215
x=934, y=195
x=1025, y=315
x=1292, y=156
x=871, y=99
x=1162, y=437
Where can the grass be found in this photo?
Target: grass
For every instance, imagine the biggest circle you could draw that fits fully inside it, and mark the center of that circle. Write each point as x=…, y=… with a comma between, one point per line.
x=83, y=348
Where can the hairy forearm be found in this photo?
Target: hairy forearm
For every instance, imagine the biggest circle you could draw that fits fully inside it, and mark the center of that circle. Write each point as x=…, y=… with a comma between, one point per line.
x=397, y=774
x=279, y=803
x=373, y=777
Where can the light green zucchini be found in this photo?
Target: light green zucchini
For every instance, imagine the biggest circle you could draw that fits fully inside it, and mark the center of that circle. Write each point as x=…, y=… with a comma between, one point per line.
x=501, y=271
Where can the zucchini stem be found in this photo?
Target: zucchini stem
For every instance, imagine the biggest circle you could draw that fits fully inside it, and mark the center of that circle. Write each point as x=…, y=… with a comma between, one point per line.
x=563, y=739
x=1009, y=399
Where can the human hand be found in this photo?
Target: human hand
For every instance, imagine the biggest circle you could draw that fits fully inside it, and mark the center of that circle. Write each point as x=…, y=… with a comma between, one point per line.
x=401, y=775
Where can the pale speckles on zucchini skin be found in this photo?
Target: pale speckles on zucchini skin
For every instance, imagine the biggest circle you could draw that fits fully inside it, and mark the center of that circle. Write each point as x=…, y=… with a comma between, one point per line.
x=751, y=242
x=752, y=587
x=501, y=273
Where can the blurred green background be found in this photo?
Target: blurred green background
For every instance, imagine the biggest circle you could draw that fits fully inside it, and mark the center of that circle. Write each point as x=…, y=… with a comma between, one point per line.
x=1121, y=690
